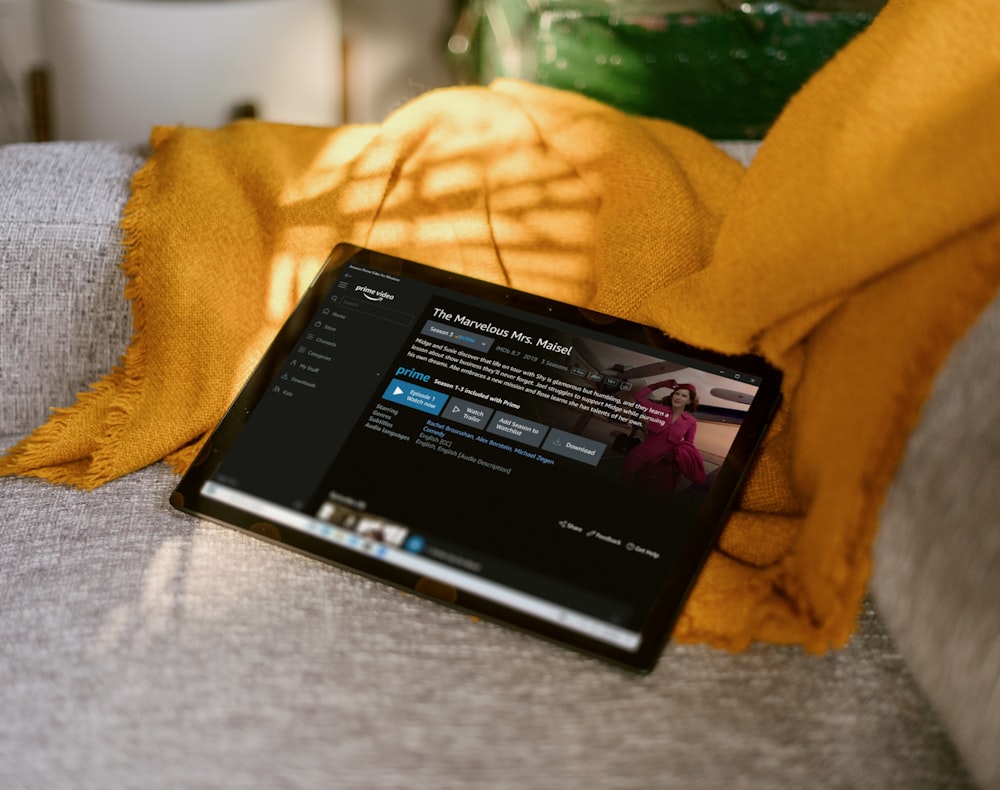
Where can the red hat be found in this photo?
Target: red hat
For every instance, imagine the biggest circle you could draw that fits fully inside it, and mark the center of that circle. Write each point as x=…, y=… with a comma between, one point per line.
x=689, y=387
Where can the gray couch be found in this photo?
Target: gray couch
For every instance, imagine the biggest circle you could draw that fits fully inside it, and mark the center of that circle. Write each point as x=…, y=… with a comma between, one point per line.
x=141, y=648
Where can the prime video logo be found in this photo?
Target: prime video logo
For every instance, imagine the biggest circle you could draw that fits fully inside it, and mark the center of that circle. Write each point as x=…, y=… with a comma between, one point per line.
x=374, y=296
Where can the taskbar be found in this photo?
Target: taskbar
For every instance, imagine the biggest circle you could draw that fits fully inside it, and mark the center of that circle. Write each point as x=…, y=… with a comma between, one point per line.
x=415, y=562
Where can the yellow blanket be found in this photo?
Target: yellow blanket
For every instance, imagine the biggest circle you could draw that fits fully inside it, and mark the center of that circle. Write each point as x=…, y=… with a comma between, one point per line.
x=854, y=251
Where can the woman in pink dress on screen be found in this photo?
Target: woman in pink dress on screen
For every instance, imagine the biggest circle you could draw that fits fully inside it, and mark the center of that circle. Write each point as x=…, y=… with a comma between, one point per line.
x=668, y=450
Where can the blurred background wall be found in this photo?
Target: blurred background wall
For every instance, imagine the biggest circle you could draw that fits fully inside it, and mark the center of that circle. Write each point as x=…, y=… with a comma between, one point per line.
x=111, y=69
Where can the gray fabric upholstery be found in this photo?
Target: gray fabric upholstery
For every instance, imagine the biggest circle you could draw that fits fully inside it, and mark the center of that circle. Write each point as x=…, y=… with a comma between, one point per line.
x=142, y=648
x=64, y=319
x=937, y=555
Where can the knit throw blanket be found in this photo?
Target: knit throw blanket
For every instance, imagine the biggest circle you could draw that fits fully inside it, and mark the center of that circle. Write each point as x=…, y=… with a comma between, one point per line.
x=858, y=246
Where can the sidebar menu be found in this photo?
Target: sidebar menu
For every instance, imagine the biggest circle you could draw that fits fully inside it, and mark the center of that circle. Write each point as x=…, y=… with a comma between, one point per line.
x=334, y=368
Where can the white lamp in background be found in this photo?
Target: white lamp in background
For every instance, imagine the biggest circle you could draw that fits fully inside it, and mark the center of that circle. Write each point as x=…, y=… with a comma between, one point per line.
x=119, y=67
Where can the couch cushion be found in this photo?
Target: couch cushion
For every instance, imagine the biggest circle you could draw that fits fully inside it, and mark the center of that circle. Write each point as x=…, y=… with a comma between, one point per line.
x=145, y=648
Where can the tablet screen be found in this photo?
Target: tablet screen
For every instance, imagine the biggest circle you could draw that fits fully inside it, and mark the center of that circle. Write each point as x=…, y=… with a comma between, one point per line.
x=557, y=470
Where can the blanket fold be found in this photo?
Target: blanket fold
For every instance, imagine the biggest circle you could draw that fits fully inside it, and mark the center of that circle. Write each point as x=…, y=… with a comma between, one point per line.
x=854, y=251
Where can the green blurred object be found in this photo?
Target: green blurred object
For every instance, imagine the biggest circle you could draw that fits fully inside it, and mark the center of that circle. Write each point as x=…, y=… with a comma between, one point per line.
x=723, y=68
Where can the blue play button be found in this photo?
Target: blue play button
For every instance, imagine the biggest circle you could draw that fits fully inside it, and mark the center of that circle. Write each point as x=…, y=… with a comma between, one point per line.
x=419, y=398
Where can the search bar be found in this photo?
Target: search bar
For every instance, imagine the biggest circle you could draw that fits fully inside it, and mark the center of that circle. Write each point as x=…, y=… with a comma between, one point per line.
x=378, y=311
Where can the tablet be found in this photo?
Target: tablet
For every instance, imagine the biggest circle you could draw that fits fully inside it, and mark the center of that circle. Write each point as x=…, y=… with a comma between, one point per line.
x=557, y=470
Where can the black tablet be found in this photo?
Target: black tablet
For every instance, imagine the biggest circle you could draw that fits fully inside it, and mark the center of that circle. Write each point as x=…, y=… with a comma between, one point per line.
x=554, y=469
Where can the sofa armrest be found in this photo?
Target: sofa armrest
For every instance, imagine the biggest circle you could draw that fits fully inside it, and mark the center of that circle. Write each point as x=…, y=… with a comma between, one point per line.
x=65, y=321
x=936, y=577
